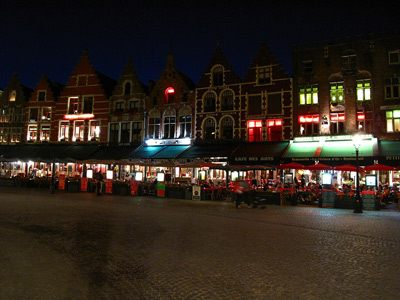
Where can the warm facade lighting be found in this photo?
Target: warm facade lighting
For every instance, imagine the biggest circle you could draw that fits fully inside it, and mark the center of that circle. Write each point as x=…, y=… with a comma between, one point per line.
x=78, y=116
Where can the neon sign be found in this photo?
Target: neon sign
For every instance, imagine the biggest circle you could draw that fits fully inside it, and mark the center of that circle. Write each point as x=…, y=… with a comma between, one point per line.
x=78, y=116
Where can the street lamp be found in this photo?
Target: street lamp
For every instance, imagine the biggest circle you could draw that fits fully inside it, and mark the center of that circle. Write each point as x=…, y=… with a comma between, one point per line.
x=358, y=203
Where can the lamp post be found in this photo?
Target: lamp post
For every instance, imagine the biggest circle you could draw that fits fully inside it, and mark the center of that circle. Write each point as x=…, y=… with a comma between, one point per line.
x=358, y=203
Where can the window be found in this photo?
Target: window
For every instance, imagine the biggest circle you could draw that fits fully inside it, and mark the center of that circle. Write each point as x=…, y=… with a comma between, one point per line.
x=210, y=102
x=169, y=126
x=337, y=123
x=136, y=131
x=119, y=106
x=394, y=57
x=33, y=114
x=309, y=94
x=154, y=127
x=209, y=129
x=227, y=100
x=218, y=76
x=78, y=130
x=63, y=135
x=125, y=132
x=363, y=90
x=41, y=96
x=336, y=93
x=392, y=87
x=349, y=62
x=73, y=105
x=114, y=133
x=94, y=130
x=45, y=133
x=308, y=67
x=13, y=95
x=254, y=129
x=362, y=123
x=87, y=105
x=274, y=104
x=185, y=126
x=254, y=105
x=17, y=115
x=4, y=115
x=309, y=124
x=393, y=120
x=227, y=128
x=133, y=105
x=274, y=130
x=46, y=114
x=169, y=95
x=127, y=88
x=15, y=135
x=264, y=75
x=3, y=135
x=82, y=80
x=32, y=133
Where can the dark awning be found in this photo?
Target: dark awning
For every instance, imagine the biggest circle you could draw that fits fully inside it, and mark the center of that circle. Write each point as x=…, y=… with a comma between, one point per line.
x=76, y=152
x=210, y=150
x=389, y=153
x=170, y=152
x=258, y=153
x=110, y=154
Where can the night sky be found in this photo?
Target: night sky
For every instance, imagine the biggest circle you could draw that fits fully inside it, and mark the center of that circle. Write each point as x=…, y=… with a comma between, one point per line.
x=49, y=36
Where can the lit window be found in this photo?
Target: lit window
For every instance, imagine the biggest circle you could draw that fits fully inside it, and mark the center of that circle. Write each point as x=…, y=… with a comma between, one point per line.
x=154, y=127
x=337, y=123
x=393, y=120
x=169, y=125
x=73, y=105
x=363, y=90
x=274, y=130
x=46, y=114
x=13, y=95
x=254, y=130
x=32, y=133
x=185, y=126
x=78, y=130
x=309, y=124
x=309, y=94
x=63, y=134
x=45, y=133
x=336, y=92
x=94, y=130
x=169, y=95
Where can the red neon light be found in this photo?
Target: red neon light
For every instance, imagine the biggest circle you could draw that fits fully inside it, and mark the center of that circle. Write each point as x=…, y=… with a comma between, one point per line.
x=79, y=116
x=278, y=122
x=308, y=119
x=337, y=118
x=302, y=119
x=169, y=90
x=361, y=117
x=256, y=123
x=316, y=119
x=271, y=123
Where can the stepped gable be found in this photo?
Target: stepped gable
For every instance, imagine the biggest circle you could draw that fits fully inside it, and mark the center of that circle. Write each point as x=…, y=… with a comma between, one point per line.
x=129, y=73
x=23, y=92
x=46, y=84
x=218, y=58
x=264, y=57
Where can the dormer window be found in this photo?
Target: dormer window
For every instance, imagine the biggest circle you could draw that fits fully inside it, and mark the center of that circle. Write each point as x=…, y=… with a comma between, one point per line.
x=169, y=95
x=218, y=76
x=127, y=88
x=264, y=75
x=13, y=95
x=41, y=96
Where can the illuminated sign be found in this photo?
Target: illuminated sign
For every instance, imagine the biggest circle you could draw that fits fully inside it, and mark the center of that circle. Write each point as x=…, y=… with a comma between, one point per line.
x=309, y=119
x=153, y=142
x=255, y=123
x=78, y=116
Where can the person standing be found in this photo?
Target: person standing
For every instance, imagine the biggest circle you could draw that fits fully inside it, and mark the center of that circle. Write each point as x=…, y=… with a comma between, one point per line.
x=99, y=183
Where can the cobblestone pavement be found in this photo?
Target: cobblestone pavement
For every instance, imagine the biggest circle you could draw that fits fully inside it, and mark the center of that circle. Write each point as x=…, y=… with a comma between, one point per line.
x=82, y=246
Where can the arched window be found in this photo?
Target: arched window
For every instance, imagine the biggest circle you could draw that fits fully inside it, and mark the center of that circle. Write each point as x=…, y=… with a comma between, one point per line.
x=210, y=100
x=218, y=76
x=127, y=88
x=209, y=129
x=227, y=128
x=169, y=124
x=227, y=100
x=185, y=122
x=154, y=124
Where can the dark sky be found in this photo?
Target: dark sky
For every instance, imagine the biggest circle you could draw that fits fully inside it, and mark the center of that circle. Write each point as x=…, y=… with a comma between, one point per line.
x=49, y=36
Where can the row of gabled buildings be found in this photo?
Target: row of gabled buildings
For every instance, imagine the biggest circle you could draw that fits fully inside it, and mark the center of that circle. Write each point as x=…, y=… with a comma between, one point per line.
x=337, y=89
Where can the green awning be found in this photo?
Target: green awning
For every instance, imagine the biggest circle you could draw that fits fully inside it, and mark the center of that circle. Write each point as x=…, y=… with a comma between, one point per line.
x=145, y=152
x=208, y=150
x=170, y=152
x=302, y=150
x=389, y=153
x=345, y=149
